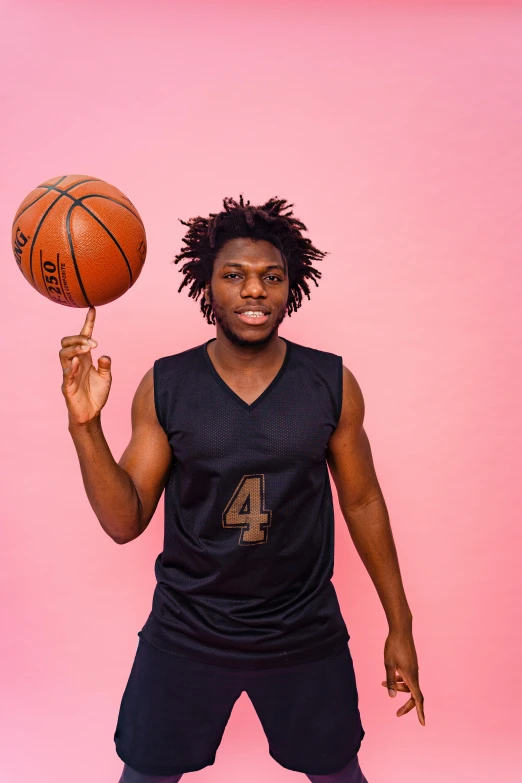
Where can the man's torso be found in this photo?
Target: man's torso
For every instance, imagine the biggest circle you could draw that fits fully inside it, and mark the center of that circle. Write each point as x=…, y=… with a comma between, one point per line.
x=244, y=579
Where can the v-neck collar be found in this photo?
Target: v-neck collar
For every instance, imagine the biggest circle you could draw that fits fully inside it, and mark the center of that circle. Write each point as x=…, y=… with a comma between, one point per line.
x=231, y=392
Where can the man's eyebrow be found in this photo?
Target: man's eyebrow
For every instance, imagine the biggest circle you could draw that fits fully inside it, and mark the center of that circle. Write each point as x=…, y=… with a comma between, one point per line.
x=240, y=266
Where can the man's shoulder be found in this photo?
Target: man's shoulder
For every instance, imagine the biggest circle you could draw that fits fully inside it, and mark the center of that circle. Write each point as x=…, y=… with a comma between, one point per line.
x=187, y=353
x=317, y=353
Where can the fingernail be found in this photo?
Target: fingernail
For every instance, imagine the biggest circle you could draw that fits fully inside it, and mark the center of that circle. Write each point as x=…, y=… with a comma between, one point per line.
x=92, y=342
x=392, y=692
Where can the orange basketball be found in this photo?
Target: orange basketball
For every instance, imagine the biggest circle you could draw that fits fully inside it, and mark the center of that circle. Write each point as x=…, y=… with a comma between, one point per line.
x=79, y=241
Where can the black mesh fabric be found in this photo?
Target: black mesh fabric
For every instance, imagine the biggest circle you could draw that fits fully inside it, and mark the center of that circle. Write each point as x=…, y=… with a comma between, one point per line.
x=244, y=578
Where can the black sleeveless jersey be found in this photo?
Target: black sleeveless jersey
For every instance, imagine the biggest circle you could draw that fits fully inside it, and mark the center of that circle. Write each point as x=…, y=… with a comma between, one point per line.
x=244, y=579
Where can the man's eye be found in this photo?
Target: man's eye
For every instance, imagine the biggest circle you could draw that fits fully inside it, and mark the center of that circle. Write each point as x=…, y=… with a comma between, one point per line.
x=234, y=274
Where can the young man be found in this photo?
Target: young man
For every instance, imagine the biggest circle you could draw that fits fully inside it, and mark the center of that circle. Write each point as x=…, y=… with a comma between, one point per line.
x=240, y=432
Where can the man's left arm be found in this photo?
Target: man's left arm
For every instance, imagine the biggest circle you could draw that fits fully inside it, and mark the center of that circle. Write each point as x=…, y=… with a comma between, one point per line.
x=350, y=461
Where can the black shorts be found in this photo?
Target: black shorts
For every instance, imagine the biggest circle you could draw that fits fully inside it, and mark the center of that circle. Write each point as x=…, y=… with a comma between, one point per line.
x=174, y=711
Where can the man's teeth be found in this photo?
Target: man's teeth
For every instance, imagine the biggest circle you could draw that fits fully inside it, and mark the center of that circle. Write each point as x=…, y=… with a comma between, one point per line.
x=253, y=312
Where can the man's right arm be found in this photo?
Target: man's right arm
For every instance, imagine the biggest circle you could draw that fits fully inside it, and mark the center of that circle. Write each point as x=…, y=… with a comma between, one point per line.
x=124, y=495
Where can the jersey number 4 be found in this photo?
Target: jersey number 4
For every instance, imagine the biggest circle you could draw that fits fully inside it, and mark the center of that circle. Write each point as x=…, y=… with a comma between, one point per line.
x=246, y=509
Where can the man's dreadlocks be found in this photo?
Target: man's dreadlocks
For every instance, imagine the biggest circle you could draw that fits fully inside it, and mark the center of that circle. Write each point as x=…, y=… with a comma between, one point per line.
x=206, y=236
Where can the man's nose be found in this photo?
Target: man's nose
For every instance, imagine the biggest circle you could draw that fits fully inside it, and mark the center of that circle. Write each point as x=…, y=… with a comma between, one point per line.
x=253, y=286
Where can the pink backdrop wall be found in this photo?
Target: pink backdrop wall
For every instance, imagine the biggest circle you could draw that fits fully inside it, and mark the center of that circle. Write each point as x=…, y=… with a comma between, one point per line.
x=396, y=134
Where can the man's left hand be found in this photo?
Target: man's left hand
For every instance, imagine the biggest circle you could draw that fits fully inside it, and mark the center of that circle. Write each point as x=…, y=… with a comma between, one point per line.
x=402, y=672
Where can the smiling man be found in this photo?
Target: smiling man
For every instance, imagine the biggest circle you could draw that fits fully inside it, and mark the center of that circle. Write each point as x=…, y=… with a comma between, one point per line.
x=240, y=432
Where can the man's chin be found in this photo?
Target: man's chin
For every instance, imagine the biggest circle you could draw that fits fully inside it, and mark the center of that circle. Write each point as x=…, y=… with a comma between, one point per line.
x=245, y=339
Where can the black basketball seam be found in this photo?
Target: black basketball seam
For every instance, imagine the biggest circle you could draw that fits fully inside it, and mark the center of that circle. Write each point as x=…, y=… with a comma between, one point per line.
x=77, y=185
x=71, y=248
x=67, y=296
x=57, y=190
x=97, y=195
x=115, y=201
x=88, y=195
x=36, y=234
x=45, y=185
x=71, y=187
x=37, y=230
x=47, y=189
x=17, y=217
x=60, y=179
x=111, y=236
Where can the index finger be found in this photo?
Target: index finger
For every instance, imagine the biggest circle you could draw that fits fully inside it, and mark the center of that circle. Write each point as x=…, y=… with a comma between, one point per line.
x=89, y=322
x=412, y=682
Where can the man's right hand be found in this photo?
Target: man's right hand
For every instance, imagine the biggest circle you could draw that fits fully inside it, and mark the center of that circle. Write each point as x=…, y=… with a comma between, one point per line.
x=84, y=387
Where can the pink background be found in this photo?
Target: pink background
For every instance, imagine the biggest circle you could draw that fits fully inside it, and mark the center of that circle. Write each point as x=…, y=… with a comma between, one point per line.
x=395, y=131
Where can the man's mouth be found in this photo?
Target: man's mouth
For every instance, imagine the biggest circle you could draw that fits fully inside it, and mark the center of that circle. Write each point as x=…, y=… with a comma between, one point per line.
x=253, y=317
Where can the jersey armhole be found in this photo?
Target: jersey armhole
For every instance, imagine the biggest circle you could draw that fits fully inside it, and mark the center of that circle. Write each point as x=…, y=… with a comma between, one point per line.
x=339, y=389
x=155, y=374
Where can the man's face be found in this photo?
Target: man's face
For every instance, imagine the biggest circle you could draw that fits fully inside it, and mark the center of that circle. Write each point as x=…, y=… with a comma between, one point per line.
x=248, y=275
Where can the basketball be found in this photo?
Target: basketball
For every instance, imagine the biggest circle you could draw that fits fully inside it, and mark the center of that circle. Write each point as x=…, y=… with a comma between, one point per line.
x=79, y=241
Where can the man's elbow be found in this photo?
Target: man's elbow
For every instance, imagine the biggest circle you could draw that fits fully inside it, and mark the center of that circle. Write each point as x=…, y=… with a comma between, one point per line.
x=363, y=501
x=131, y=535
x=121, y=540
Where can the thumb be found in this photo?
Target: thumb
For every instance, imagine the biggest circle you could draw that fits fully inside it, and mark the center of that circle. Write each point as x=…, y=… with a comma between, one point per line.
x=391, y=681
x=104, y=366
